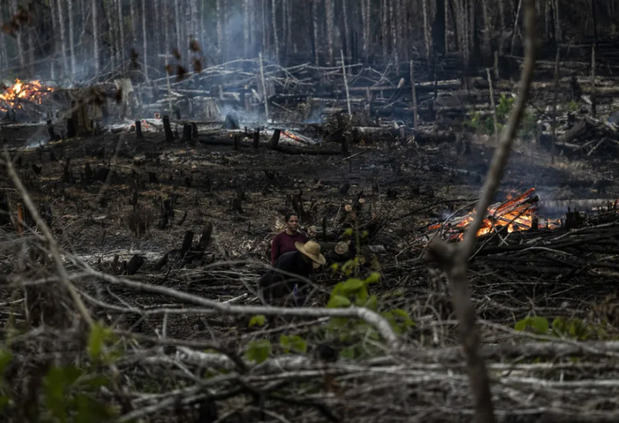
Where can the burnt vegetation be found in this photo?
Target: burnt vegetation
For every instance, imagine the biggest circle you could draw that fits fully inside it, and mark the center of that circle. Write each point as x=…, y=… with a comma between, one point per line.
x=151, y=150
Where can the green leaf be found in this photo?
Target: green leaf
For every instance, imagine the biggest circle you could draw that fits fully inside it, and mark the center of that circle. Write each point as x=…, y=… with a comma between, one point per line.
x=403, y=315
x=257, y=320
x=89, y=410
x=349, y=353
x=374, y=277
x=348, y=232
x=338, y=301
x=258, y=351
x=350, y=286
x=57, y=382
x=97, y=338
x=533, y=324
x=293, y=343
x=371, y=303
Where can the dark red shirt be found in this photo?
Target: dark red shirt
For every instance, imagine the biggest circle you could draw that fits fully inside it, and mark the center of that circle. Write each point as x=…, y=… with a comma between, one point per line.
x=283, y=243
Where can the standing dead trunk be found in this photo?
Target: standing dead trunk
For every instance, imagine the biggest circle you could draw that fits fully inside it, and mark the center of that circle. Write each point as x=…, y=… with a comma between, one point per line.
x=346, y=85
x=347, y=34
x=289, y=33
x=365, y=27
x=330, y=29
x=95, y=35
x=593, y=99
x=558, y=34
x=220, y=30
x=177, y=25
x=426, y=29
x=19, y=40
x=54, y=41
x=501, y=24
x=315, y=30
x=71, y=38
x=264, y=90
x=555, y=99
x=414, y=94
x=384, y=27
x=144, y=40
x=274, y=24
x=394, y=35
x=246, y=28
x=134, y=26
x=487, y=53
x=112, y=37
x=493, y=106
x=63, y=44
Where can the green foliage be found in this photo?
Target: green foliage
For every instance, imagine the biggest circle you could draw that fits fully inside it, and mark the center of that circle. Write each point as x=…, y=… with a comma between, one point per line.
x=576, y=329
x=5, y=359
x=534, y=324
x=482, y=124
x=572, y=106
x=69, y=395
x=353, y=291
x=258, y=351
x=293, y=343
x=563, y=327
x=257, y=320
x=399, y=320
x=99, y=339
x=504, y=107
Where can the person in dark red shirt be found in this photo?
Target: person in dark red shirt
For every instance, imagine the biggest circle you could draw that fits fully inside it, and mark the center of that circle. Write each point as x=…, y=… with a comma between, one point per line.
x=284, y=241
x=282, y=282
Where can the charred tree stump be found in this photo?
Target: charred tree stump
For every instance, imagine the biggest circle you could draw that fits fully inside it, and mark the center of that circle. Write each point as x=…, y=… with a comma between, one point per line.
x=345, y=146
x=4, y=209
x=71, y=131
x=138, y=129
x=134, y=264
x=187, y=132
x=187, y=241
x=237, y=142
x=166, y=213
x=194, y=133
x=275, y=139
x=205, y=238
x=256, y=138
x=67, y=176
x=169, y=136
x=50, y=131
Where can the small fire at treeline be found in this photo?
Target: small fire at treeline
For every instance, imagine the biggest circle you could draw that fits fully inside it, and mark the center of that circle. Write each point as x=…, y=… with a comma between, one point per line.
x=516, y=214
x=12, y=96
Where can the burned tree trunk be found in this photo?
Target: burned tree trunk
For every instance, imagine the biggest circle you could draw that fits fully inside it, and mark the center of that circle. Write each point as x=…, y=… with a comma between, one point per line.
x=330, y=29
x=274, y=24
x=63, y=44
x=95, y=35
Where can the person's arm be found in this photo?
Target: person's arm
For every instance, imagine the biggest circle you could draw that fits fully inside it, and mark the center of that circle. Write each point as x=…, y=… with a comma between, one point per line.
x=274, y=250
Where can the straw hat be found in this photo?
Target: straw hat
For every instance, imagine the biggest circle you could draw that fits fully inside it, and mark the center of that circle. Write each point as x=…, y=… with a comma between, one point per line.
x=311, y=249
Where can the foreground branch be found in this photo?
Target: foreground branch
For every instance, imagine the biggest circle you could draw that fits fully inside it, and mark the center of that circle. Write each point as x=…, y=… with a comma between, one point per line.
x=455, y=260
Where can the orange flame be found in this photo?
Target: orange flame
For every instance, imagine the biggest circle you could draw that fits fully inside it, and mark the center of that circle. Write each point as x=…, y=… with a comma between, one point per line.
x=515, y=214
x=291, y=135
x=32, y=91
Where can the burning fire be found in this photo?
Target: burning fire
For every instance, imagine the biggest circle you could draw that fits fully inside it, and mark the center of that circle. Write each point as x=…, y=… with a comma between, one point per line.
x=516, y=214
x=32, y=91
x=292, y=136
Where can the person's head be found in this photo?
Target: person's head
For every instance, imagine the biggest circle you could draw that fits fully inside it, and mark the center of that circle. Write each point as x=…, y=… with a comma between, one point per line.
x=292, y=222
x=311, y=251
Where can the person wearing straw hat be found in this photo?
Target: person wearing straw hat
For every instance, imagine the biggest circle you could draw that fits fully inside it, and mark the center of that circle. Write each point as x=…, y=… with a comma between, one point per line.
x=285, y=240
x=280, y=282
